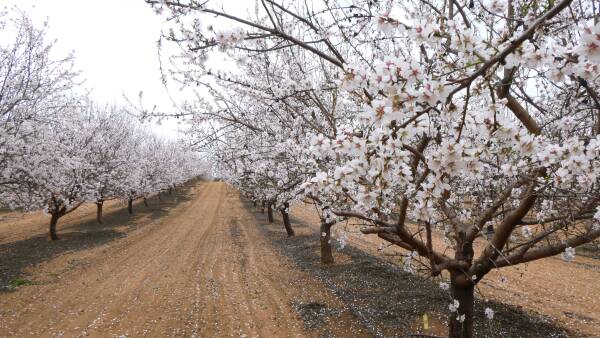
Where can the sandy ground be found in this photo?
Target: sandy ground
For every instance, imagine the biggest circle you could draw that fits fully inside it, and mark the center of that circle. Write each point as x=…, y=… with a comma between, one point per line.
x=201, y=263
x=193, y=264
x=568, y=292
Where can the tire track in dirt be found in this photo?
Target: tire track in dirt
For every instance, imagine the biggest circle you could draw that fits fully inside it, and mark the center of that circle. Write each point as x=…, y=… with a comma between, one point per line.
x=203, y=270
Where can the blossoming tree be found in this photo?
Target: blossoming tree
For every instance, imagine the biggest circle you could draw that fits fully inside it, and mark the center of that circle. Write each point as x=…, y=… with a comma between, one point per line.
x=57, y=149
x=34, y=89
x=476, y=121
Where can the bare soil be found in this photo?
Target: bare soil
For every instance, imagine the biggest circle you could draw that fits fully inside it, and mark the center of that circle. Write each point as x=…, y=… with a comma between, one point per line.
x=204, y=263
x=192, y=265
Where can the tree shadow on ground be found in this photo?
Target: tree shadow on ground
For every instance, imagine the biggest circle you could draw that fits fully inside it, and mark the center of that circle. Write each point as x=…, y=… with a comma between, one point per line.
x=17, y=256
x=391, y=302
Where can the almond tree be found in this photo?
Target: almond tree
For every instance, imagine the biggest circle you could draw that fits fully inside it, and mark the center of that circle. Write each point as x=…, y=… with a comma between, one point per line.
x=259, y=118
x=90, y=155
x=478, y=122
x=59, y=175
x=154, y=164
x=143, y=171
x=111, y=147
x=34, y=89
x=58, y=150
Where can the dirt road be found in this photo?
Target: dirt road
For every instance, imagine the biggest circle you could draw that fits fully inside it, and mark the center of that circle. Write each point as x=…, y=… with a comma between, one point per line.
x=202, y=263
x=192, y=265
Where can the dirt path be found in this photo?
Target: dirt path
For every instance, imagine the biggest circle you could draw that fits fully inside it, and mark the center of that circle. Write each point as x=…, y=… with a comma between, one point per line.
x=200, y=268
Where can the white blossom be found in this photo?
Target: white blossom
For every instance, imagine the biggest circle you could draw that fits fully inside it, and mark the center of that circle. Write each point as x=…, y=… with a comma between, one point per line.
x=569, y=254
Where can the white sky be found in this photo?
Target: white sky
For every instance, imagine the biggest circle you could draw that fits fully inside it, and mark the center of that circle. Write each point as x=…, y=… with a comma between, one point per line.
x=114, y=42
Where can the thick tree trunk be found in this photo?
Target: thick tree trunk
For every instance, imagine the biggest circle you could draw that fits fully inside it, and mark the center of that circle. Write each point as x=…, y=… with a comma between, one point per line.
x=99, y=211
x=170, y=191
x=490, y=231
x=286, y=221
x=145, y=202
x=262, y=209
x=159, y=198
x=461, y=321
x=325, y=236
x=464, y=329
x=130, y=206
x=270, y=213
x=53, y=221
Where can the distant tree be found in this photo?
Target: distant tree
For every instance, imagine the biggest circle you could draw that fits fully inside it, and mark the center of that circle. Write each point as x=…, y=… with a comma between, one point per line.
x=34, y=89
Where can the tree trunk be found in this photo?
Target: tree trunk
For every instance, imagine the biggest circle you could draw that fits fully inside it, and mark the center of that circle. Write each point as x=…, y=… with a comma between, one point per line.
x=130, y=206
x=325, y=236
x=160, y=199
x=53, y=221
x=99, y=211
x=145, y=202
x=270, y=213
x=462, y=291
x=170, y=191
x=286, y=221
x=490, y=231
x=262, y=209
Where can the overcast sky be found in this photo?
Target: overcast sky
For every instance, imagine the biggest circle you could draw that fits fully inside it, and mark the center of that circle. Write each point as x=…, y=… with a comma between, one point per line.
x=114, y=42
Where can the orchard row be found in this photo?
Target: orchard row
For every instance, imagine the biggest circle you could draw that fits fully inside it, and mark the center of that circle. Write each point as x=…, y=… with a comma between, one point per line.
x=58, y=149
x=477, y=121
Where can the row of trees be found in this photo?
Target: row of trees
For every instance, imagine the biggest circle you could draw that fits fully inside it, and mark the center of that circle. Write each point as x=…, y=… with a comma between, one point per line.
x=59, y=150
x=477, y=120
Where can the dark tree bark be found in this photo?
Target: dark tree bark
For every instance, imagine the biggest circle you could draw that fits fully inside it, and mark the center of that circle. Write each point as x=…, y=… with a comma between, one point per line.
x=270, y=212
x=53, y=221
x=286, y=220
x=462, y=287
x=490, y=231
x=99, y=211
x=170, y=191
x=130, y=206
x=462, y=291
x=159, y=198
x=325, y=236
x=262, y=208
x=145, y=202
